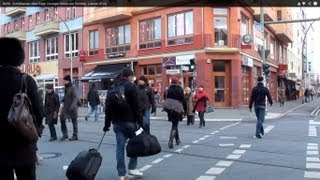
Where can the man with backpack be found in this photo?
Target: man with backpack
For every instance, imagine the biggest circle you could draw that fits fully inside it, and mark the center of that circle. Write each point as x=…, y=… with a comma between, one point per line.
x=124, y=111
x=94, y=101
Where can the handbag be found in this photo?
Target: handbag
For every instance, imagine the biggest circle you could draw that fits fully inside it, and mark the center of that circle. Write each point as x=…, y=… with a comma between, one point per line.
x=21, y=115
x=173, y=105
x=142, y=145
x=209, y=109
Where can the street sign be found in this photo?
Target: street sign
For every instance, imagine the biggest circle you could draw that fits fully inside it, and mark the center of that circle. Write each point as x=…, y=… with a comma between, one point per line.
x=258, y=26
x=82, y=56
x=172, y=71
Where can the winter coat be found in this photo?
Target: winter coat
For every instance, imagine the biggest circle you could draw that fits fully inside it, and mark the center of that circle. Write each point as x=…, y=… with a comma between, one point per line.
x=51, y=106
x=176, y=92
x=146, y=97
x=15, y=150
x=200, y=99
x=258, y=96
x=93, y=97
x=70, y=104
x=190, y=104
x=131, y=112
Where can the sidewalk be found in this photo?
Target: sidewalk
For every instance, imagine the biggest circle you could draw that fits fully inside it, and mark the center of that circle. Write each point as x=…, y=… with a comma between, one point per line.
x=227, y=114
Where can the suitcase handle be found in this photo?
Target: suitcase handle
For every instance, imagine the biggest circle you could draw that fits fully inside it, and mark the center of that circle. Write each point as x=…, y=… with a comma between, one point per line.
x=101, y=140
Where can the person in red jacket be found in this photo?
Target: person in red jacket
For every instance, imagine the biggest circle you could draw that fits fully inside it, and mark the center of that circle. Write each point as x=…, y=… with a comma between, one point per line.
x=201, y=98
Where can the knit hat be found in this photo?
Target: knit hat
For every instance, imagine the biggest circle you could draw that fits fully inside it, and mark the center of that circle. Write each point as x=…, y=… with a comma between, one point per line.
x=127, y=72
x=260, y=79
x=67, y=78
x=143, y=78
x=174, y=80
x=11, y=52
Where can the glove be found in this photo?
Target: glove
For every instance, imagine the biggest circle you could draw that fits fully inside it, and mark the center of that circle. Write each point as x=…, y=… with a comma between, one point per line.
x=106, y=129
x=153, y=110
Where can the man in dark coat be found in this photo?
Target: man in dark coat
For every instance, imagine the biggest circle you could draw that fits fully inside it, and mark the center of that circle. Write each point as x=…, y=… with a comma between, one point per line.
x=16, y=153
x=124, y=118
x=146, y=98
x=69, y=109
x=94, y=101
x=258, y=97
x=51, y=105
x=175, y=92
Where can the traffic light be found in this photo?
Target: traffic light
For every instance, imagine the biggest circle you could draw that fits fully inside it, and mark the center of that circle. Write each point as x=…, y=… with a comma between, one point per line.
x=192, y=64
x=265, y=68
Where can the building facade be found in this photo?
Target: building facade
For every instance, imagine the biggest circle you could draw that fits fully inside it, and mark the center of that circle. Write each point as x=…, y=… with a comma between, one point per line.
x=45, y=38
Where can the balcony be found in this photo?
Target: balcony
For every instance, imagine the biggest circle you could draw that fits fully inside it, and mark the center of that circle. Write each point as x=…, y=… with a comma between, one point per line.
x=19, y=34
x=47, y=28
x=283, y=32
x=106, y=14
x=15, y=11
x=269, y=14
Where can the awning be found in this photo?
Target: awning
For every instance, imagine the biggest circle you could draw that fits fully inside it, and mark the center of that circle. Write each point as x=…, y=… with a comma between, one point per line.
x=109, y=71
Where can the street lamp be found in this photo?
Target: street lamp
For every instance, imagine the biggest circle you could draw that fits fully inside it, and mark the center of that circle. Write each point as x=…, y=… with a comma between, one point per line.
x=70, y=44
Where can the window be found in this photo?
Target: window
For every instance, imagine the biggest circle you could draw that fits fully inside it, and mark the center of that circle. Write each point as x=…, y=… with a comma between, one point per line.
x=37, y=18
x=93, y=42
x=151, y=70
x=52, y=49
x=55, y=9
x=245, y=26
x=34, y=52
x=30, y=22
x=71, y=47
x=22, y=24
x=5, y=29
x=118, y=39
x=179, y=26
x=279, y=15
x=16, y=25
x=68, y=13
x=220, y=26
x=47, y=15
x=272, y=48
x=150, y=33
x=74, y=12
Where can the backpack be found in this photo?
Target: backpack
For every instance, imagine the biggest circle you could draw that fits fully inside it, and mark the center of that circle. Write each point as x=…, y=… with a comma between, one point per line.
x=21, y=116
x=117, y=96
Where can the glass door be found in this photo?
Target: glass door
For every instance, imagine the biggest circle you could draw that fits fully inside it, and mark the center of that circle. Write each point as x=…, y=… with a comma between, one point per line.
x=219, y=90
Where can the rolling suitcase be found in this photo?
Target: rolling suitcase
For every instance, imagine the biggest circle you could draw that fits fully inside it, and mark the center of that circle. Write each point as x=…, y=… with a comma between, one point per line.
x=86, y=164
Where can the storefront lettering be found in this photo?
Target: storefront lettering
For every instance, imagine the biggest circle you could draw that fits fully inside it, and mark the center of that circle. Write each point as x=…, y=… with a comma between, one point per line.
x=33, y=69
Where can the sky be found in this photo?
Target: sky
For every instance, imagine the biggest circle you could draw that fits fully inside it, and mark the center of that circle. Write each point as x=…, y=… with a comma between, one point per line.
x=314, y=39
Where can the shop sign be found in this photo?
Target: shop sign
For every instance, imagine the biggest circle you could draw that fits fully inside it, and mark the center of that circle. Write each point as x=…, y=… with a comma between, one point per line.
x=172, y=71
x=247, y=61
x=185, y=59
x=115, y=55
x=33, y=69
x=169, y=61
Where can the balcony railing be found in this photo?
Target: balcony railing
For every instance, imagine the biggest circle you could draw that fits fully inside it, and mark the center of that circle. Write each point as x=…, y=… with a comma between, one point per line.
x=47, y=28
x=15, y=11
x=19, y=34
x=107, y=14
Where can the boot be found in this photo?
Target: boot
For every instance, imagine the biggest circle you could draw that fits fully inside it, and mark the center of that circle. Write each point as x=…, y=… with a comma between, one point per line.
x=177, y=139
x=172, y=135
x=64, y=138
x=73, y=138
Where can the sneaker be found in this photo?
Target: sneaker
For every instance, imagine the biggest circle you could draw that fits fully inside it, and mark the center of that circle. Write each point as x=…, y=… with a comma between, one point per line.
x=257, y=136
x=64, y=138
x=74, y=138
x=135, y=172
x=53, y=139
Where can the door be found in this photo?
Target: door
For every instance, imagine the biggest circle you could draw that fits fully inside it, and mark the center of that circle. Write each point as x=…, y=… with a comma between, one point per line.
x=220, y=83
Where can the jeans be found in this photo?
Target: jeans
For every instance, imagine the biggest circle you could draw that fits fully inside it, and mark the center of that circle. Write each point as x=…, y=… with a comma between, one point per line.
x=25, y=172
x=94, y=110
x=52, y=129
x=201, y=117
x=260, y=113
x=146, y=115
x=65, y=130
x=123, y=131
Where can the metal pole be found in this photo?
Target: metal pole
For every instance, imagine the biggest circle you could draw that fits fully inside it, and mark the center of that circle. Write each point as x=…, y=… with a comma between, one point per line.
x=71, y=62
x=263, y=53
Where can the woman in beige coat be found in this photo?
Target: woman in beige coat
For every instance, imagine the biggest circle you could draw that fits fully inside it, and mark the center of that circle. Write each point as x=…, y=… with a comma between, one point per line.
x=190, y=105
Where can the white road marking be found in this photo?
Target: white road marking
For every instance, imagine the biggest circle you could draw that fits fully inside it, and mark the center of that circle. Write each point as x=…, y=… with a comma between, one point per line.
x=312, y=148
x=196, y=141
x=206, y=136
x=157, y=161
x=215, y=170
x=315, y=110
x=233, y=156
x=312, y=159
x=313, y=165
x=179, y=150
x=312, y=122
x=206, y=178
x=168, y=155
x=226, y=145
x=245, y=146
x=224, y=163
x=225, y=127
x=239, y=151
x=201, y=139
x=186, y=146
x=312, y=144
x=312, y=152
x=228, y=137
x=312, y=174
x=144, y=168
